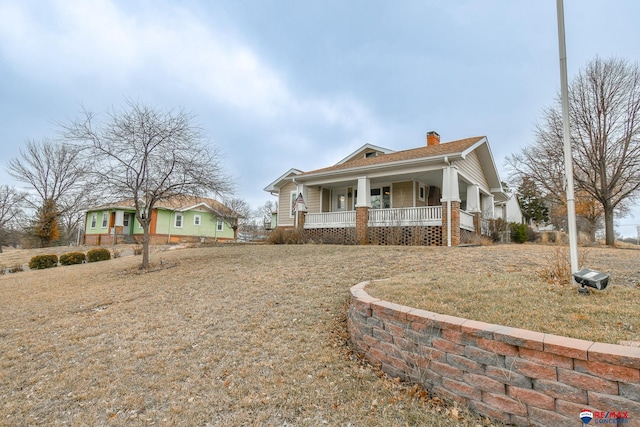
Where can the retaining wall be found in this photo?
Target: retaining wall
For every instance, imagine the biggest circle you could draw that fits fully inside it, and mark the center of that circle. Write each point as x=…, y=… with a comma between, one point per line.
x=512, y=375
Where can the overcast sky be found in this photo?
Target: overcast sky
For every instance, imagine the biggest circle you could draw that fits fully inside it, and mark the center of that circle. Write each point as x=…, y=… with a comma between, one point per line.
x=279, y=84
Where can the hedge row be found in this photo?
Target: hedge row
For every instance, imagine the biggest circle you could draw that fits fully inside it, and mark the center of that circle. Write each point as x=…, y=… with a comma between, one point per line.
x=39, y=262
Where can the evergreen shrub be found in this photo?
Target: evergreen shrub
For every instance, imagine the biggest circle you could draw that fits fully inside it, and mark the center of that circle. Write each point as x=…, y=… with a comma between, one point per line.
x=40, y=262
x=72, y=258
x=100, y=254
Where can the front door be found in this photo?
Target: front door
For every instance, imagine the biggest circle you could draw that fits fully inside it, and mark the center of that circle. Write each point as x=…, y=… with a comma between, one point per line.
x=126, y=223
x=340, y=200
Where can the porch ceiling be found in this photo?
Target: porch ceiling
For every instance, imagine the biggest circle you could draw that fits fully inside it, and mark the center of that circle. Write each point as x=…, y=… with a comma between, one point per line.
x=432, y=178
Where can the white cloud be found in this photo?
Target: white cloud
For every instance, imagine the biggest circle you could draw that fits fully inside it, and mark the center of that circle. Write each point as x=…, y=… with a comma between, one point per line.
x=65, y=40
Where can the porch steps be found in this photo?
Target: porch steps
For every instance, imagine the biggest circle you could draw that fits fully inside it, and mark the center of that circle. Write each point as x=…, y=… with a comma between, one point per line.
x=126, y=239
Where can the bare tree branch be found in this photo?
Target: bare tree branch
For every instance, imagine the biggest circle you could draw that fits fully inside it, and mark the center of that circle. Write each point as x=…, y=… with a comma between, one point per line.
x=149, y=155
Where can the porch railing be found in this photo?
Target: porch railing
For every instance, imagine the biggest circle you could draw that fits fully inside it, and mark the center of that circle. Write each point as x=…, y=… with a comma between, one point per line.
x=419, y=216
x=330, y=219
x=423, y=216
x=466, y=221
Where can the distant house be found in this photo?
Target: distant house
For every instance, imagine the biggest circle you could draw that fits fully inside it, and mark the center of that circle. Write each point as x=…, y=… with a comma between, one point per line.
x=509, y=210
x=175, y=220
x=437, y=194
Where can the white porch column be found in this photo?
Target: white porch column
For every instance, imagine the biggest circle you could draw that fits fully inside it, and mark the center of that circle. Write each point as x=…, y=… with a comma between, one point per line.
x=302, y=207
x=473, y=199
x=451, y=195
x=450, y=188
x=489, y=206
x=119, y=218
x=364, y=192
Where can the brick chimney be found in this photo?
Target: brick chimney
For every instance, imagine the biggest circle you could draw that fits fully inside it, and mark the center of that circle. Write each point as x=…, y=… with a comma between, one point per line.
x=433, y=138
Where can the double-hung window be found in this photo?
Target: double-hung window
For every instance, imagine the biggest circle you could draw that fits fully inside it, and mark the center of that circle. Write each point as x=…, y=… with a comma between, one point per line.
x=179, y=220
x=105, y=219
x=94, y=220
x=196, y=219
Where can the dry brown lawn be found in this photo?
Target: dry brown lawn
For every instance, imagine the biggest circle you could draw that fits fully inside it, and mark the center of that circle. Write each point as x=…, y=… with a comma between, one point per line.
x=228, y=335
x=516, y=285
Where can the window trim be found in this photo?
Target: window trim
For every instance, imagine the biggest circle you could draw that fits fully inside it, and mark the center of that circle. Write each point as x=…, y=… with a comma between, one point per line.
x=175, y=220
x=422, y=192
x=197, y=220
x=94, y=221
x=220, y=225
x=105, y=220
x=293, y=196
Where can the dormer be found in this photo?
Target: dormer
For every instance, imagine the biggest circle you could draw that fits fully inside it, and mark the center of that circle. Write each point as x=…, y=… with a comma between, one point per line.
x=366, y=151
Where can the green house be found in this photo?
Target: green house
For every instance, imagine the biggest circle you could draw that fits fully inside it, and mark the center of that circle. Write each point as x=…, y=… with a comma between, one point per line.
x=175, y=220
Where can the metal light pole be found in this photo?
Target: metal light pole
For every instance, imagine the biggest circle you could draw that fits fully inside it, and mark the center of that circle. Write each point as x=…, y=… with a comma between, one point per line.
x=568, y=158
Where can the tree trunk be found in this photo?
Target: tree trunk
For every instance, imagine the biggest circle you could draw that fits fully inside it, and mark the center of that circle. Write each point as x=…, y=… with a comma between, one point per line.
x=610, y=235
x=145, y=246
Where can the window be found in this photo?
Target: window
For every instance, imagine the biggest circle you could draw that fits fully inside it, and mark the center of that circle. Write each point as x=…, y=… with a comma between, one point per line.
x=179, y=218
x=422, y=192
x=219, y=225
x=125, y=219
x=94, y=220
x=371, y=154
x=381, y=198
x=196, y=220
x=105, y=219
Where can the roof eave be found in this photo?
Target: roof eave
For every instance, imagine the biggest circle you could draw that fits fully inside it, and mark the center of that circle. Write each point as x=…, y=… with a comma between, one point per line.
x=380, y=166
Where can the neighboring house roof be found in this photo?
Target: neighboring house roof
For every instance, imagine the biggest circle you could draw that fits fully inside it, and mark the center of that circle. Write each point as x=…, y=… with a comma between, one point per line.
x=176, y=203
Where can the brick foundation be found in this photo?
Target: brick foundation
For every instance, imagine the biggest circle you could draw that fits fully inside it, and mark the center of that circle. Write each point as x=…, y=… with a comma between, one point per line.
x=512, y=375
x=156, y=239
x=337, y=236
x=407, y=236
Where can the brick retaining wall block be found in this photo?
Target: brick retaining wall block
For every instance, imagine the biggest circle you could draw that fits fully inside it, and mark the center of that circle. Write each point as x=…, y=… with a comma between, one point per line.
x=512, y=375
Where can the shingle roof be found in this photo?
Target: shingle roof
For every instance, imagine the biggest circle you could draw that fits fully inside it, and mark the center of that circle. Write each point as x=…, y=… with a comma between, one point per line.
x=177, y=203
x=442, y=149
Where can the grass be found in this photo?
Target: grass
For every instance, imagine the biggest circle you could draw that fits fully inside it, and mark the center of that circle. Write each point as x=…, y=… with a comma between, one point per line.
x=246, y=335
x=229, y=335
x=523, y=287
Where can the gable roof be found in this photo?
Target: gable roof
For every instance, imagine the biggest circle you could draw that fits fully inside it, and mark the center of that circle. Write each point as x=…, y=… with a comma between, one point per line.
x=460, y=147
x=365, y=148
x=282, y=179
x=175, y=203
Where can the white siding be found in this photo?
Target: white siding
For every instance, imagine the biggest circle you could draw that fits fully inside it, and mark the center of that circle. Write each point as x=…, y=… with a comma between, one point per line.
x=284, y=204
x=472, y=169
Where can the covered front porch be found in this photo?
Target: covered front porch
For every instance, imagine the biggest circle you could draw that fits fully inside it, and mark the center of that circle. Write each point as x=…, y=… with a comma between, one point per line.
x=370, y=209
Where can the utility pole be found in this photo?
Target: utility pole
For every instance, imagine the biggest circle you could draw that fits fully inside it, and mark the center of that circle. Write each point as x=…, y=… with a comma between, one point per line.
x=566, y=132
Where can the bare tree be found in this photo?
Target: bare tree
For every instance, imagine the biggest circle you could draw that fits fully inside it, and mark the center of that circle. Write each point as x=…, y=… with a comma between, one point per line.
x=238, y=214
x=11, y=202
x=605, y=112
x=604, y=108
x=148, y=155
x=57, y=176
x=265, y=213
